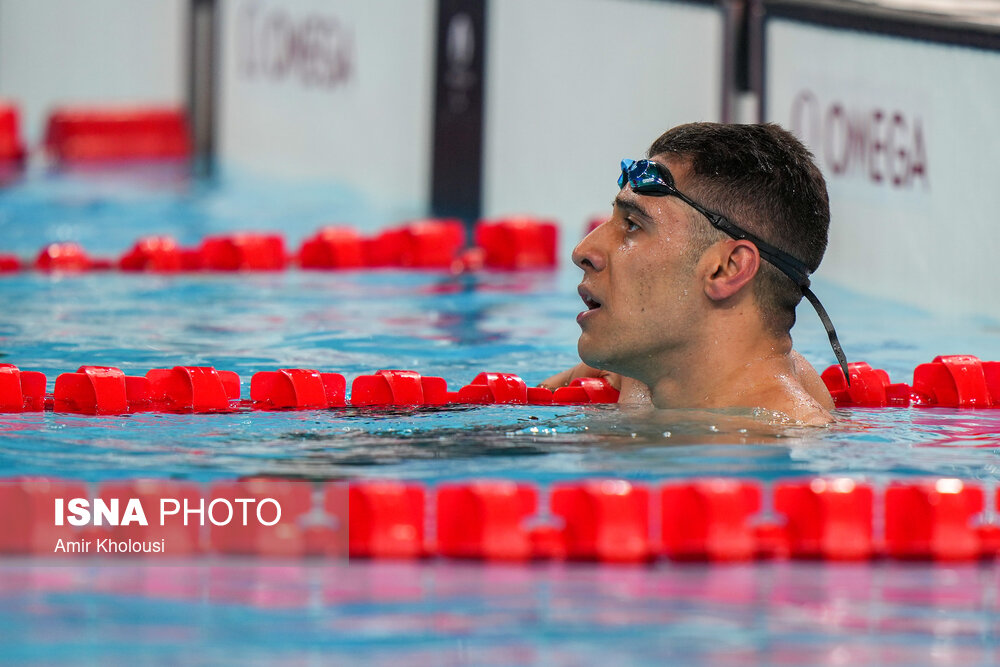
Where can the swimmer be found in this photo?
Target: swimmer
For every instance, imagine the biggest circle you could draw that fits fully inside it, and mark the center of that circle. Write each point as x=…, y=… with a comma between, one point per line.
x=691, y=286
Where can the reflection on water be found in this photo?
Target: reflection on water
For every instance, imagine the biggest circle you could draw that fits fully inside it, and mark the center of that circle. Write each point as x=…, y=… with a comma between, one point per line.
x=442, y=612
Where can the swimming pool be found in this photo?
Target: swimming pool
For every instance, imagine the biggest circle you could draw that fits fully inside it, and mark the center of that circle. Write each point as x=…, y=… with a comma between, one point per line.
x=453, y=327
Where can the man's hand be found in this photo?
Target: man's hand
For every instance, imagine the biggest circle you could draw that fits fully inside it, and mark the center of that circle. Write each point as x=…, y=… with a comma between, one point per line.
x=632, y=391
x=581, y=370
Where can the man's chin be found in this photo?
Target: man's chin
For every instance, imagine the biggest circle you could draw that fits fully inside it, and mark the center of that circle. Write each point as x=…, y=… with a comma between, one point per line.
x=595, y=357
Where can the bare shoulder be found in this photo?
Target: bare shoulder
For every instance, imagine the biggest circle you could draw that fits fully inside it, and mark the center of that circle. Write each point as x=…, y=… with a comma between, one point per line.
x=811, y=381
x=789, y=397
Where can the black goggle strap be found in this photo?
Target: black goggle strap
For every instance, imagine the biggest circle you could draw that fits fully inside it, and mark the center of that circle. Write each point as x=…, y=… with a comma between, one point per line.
x=790, y=266
x=838, y=351
x=797, y=272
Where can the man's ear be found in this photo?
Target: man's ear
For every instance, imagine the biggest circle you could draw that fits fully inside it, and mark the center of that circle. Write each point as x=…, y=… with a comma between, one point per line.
x=731, y=266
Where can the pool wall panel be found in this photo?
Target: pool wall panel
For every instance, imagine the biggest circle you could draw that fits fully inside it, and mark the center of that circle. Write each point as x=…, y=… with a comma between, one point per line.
x=331, y=91
x=98, y=52
x=573, y=87
x=905, y=131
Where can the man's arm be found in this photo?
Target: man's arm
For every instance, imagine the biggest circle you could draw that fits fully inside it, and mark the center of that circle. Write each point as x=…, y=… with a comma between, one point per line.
x=633, y=391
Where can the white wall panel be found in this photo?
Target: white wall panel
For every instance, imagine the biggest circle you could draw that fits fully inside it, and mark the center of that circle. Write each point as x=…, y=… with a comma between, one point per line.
x=905, y=132
x=331, y=91
x=573, y=86
x=55, y=52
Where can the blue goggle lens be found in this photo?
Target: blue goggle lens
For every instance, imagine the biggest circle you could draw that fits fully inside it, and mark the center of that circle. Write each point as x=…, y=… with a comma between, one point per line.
x=645, y=177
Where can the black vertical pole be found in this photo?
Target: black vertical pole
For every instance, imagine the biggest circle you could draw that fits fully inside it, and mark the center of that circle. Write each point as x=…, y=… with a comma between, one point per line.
x=456, y=173
x=203, y=22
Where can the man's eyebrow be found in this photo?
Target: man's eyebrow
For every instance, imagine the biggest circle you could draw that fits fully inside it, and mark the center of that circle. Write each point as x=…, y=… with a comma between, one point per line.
x=629, y=206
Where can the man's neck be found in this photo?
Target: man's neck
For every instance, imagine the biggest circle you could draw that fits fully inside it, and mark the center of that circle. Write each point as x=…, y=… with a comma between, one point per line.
x=752, y=369
x=715, y=380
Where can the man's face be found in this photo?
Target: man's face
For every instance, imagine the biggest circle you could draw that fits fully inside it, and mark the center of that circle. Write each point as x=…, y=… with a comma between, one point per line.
x=639, y=281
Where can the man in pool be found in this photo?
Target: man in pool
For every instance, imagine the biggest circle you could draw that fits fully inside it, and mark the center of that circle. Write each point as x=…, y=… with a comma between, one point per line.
x=691, y=285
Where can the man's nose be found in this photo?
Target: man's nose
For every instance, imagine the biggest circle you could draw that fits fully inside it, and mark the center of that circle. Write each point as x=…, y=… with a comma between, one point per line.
x=588, y=253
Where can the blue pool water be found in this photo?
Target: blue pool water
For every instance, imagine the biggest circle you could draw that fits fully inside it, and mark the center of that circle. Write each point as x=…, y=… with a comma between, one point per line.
x=454, y=327
x=457, y=614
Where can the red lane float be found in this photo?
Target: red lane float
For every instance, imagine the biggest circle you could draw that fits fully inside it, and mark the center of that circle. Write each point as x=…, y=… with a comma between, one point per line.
x=385, y=249
x=957, y=381
x=932, y=520
x=485, y=520
x=398, y=388
x=387, y=520
x=11, y=146
x=585, y=390
x=106, y=390
x=604, y=520
x=827, y=519
x=246, y=251
x=10, y=263
x=507, y=388
x=421, y=244
x=21, y=391
x=297, y=388
x=519, y=243
x=156, y=253
x=869, y=388
x=94, y=135
x=431, y=244
x=709, y=519
x=193, y=389
x=63, y=257
x=333, y=248
x=491, y=388
x=100, y=390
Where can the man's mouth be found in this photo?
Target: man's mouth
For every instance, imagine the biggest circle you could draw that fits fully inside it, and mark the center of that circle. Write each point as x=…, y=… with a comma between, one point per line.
x=588, y=300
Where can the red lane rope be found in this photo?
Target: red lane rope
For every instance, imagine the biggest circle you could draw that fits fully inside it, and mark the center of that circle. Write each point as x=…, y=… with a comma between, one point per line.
x=956, y=381
x=606, y=521
x=952, y=381
x=510, y=244
x=105, y=390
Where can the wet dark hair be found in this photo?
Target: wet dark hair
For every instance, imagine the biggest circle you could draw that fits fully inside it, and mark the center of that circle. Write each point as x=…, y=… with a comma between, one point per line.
x=763, y=179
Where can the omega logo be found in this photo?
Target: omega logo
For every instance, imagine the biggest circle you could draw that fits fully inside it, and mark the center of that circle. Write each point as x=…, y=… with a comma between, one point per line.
x=886, y=147
x=317, y=49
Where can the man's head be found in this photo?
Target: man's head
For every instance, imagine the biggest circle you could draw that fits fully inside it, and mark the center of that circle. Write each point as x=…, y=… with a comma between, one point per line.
x=660, y=269
x=762, y=178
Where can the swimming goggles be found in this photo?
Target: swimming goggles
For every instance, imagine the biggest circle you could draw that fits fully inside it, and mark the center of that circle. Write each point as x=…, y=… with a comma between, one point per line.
x=650, y=178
